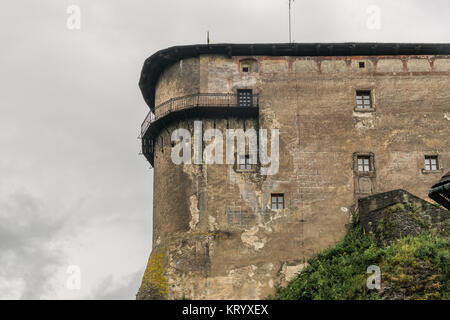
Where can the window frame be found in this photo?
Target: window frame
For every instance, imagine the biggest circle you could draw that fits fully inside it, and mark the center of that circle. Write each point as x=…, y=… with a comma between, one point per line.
x=364, y=163
x=363, y=107
x=364, y=155
x=247, y=94
x=247, y=166
x=277, y=202
x=438, y=167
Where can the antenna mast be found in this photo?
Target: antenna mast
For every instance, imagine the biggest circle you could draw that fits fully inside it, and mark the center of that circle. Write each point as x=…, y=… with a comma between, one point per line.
x=290, y=33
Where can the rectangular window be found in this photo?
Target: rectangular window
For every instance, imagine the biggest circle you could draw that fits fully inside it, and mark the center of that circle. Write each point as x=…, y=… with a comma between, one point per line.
x=277, y=201
x=363, y=164
x=244, y=97
x=244, y=163
x=431, y=163
x=363, y=99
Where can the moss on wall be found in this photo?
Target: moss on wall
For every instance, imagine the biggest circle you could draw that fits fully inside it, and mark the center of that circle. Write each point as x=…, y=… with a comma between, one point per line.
x=154, y=283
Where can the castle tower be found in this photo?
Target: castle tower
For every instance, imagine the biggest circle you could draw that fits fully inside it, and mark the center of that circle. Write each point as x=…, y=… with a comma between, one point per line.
x=354, y=119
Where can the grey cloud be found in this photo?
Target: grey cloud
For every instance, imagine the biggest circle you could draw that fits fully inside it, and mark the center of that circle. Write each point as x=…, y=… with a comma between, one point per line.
x=26, y=251
x=70, y=111
x=124, y=288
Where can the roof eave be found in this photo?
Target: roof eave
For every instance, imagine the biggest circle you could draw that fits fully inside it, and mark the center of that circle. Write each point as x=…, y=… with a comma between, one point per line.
x=156, y=63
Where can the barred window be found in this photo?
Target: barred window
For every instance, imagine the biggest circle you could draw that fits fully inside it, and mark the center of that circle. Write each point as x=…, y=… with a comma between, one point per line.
x=244, y=97
x=277, y=201
x=363, y=99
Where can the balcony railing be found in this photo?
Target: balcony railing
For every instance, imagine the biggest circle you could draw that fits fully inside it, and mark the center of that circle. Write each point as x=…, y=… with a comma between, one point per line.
x=199, y=100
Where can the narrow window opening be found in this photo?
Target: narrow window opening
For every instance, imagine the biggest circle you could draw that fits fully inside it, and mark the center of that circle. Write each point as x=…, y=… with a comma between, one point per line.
x=248, y=65
x=362, y=64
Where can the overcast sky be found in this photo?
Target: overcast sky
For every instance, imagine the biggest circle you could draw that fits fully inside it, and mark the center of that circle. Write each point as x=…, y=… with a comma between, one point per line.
x=73, y=189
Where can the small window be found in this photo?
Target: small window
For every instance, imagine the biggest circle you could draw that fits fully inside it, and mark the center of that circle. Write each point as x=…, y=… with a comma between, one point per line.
x=244, y=163
x=277, y=201
x=363, y=100
x=363, y=164
x=362, y=64
x=248, y=65
x=244, y=97
x=431, y=163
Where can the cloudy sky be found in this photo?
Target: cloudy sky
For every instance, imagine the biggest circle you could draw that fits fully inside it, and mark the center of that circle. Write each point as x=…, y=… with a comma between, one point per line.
x=74, y=190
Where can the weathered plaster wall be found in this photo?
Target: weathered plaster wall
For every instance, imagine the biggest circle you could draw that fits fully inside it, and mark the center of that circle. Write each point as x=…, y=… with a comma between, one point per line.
x=180, y=79
x=220, y=236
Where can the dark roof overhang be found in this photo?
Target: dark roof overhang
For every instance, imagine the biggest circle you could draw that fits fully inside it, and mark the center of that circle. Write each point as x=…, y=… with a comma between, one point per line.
x=198, y=112
x=440, y=192
x=155, y=64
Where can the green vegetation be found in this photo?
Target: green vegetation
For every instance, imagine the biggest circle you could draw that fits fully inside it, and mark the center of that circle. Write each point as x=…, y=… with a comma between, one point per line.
x=413, y=268
x=390, y=213
x=400, y=220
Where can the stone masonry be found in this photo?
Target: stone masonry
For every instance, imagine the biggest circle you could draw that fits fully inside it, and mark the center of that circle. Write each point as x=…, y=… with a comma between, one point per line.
x=215, y=235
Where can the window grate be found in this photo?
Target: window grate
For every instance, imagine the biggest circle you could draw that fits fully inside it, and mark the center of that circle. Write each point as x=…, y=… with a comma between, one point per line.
x=244, y=97
x=363, y=100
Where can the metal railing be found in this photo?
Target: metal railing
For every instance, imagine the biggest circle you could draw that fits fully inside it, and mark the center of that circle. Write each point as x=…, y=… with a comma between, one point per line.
x=198, y=100
x=147, y=121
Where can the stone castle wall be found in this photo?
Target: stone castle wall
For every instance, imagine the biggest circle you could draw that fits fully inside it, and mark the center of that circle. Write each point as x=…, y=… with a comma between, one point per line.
x=214, y=231
x=395, y=214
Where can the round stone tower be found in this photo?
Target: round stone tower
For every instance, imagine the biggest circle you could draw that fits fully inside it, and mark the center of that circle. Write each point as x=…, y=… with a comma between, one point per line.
x=231, y=230
x=199, y=212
